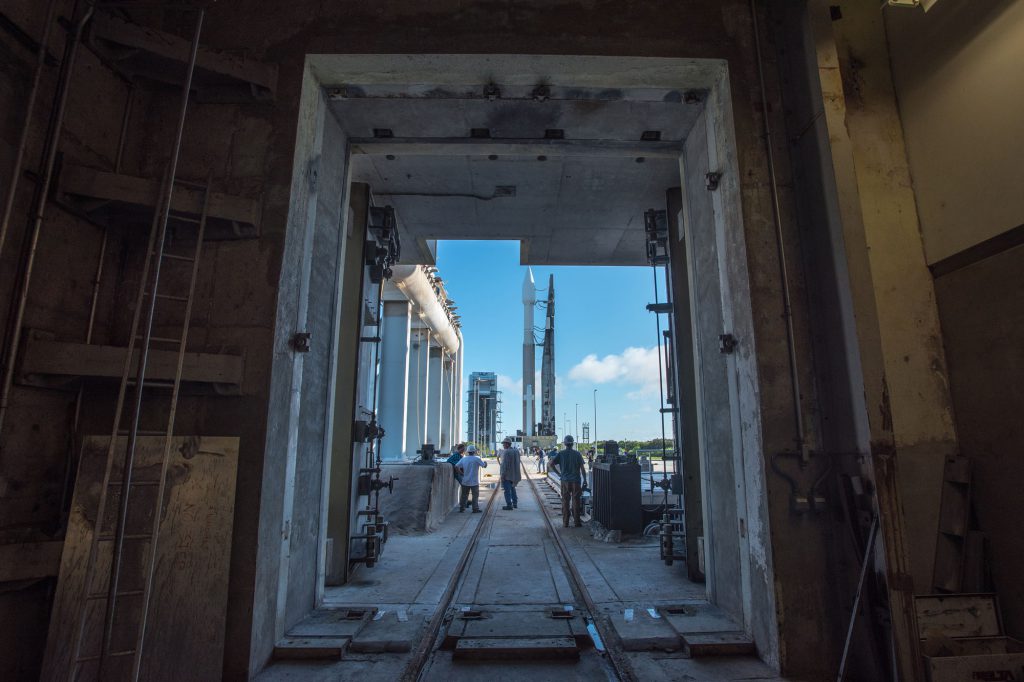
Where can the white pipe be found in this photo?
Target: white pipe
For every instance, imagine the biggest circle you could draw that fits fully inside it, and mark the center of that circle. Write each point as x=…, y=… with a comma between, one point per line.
x=412, y=281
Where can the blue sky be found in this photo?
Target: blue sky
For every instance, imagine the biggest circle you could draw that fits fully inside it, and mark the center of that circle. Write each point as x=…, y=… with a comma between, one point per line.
x=604, y=337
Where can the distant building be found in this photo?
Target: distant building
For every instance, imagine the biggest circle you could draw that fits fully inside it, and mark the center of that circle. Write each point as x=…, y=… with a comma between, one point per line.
x=483, y=414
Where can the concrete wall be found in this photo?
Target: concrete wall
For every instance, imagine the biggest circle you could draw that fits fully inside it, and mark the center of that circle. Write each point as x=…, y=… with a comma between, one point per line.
x=956, y=71
x=982, y=308
x=423, y=496
x=956, y=75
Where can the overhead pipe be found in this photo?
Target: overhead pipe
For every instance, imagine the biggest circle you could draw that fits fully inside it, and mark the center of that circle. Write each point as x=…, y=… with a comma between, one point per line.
x=19, y=156
x=39, y=211
x=412, y=281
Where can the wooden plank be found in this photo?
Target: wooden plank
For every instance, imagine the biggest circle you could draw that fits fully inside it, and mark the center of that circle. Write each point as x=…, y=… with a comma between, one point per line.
x=988, y=667
x=30, y=560
x=957, y=615
x=98, y=184
x=187, y=615
x=516, y=648
x=169, y=46
x=44, y=357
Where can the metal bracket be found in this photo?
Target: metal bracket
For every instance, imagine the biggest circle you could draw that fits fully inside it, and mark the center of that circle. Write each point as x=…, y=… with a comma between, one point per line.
x=712, y=180
x=300, y=342
x=726, y=343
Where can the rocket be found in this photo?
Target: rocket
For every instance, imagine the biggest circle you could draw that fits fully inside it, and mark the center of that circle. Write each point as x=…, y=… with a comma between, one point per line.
x=529, y=355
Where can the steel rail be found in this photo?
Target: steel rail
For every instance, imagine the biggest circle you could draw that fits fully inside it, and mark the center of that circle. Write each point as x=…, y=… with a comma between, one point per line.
x=51, y=146
x=19, y=156
x=620, y=663
x=426, y=646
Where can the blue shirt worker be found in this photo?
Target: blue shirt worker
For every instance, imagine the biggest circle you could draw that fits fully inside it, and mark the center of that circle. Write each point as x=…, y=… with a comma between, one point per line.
x=456, y=455
x=511, y=474
x=470, y=468
x=568, y=464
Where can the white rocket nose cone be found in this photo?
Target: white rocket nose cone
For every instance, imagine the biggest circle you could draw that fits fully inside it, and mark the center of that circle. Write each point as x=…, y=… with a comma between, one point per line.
x=529, y=290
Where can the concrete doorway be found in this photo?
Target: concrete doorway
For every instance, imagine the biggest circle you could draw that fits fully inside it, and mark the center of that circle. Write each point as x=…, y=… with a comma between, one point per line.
x=564, y=154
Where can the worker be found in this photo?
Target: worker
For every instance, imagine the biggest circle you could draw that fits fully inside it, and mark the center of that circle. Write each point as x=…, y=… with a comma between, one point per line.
x=511, y=474
x=456, y=455
x=470, y=468
x=542, y=460
x=568, y=464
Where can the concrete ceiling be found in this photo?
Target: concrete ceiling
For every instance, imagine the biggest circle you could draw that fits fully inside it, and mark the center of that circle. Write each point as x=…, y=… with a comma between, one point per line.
x=456, y=165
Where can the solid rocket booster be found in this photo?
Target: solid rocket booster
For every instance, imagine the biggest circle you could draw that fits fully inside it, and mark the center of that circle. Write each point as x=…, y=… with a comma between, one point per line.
x=529, y=355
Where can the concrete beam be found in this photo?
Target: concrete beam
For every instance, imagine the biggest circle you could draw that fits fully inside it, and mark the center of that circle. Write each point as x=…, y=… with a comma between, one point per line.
x=447, y=146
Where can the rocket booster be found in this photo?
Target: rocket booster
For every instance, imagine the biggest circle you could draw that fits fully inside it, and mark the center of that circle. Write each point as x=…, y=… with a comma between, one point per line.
x=529, y=354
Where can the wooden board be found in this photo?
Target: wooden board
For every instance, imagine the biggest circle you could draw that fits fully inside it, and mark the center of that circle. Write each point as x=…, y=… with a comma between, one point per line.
x=172, y=48
x=47, y=358
x=189, y=597
x=957, y=615
x=94, y=184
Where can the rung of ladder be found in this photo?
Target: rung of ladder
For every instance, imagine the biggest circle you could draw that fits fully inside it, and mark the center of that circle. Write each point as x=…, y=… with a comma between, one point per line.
x=159, y=339
x=142, y=432
x=176, y=256
x=170, y=297
x=152, y=383
x=90, y=659
x=127, y=536
x=103, y=595
x=135, y=483
x=185, y=219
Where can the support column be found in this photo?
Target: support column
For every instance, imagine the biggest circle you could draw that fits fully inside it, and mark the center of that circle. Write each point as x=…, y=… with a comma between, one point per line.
x=393, y=410
x=434, y=382
x=445, y=441
x=419, y=375
x=460, y=398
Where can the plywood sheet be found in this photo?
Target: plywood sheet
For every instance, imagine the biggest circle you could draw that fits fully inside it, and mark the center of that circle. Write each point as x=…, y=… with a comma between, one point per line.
x=187, y=610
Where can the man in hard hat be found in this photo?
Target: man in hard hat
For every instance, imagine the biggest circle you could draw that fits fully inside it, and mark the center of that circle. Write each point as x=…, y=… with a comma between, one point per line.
x=470, y=468
x=568, y=464
x=511, y=473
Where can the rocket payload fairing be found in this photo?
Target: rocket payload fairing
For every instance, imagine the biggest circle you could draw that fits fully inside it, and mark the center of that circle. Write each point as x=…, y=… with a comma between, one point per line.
x=529, y=355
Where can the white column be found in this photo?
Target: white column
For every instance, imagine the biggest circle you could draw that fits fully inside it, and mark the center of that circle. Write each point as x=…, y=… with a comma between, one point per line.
x=419, y=375
x=434, y=396
x=460, y=395
x=445, y=441
x=393, y=410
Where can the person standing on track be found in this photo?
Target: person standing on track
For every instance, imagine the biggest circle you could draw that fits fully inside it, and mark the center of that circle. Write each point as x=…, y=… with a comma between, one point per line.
x=470, y=468
x=511, y=474
x=568, y=464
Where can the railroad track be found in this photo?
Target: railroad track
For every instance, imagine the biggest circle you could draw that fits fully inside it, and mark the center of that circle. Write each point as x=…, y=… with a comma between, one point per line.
x=599, y=629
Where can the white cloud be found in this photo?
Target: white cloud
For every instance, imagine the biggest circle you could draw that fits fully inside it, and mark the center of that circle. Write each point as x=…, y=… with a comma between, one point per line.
x=633, y=367
x=514, y=387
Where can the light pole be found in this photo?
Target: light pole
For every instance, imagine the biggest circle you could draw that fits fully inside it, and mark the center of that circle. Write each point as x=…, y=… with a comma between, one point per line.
x=577, y=424
x=595, y=417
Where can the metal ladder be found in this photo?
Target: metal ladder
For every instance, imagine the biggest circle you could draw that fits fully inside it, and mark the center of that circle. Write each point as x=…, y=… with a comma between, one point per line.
x=149, y=293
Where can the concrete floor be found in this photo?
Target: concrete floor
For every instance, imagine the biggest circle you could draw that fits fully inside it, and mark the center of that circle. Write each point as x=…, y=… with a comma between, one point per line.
x=514, y=575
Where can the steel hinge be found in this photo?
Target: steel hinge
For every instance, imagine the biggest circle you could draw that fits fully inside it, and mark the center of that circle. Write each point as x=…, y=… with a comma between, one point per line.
x=726, y=343
x=712, y=180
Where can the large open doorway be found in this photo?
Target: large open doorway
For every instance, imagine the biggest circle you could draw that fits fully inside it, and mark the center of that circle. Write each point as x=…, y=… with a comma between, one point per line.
x=564, y=155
